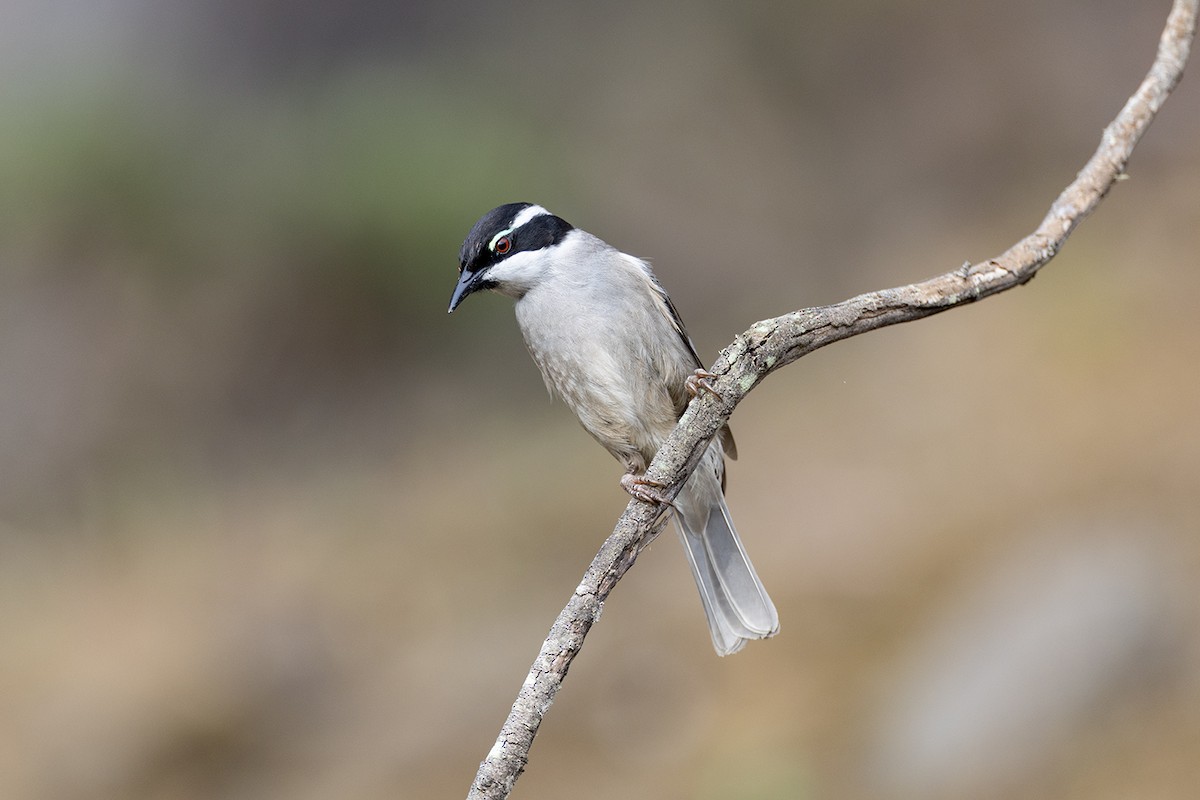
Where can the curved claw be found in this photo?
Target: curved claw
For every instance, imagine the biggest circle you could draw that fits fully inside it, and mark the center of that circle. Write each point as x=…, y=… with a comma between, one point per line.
x=645, y=489
x=701, y=380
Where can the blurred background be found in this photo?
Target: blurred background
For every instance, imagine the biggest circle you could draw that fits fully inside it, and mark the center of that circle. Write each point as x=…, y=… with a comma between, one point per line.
x=273, y=525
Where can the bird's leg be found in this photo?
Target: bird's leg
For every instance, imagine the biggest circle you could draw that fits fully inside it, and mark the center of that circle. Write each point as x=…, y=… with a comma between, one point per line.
x=649, y=491
x=645, y=489
x=701, y=380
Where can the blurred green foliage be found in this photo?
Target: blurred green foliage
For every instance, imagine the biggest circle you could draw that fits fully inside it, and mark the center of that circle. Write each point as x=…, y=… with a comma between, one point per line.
x=365, y=181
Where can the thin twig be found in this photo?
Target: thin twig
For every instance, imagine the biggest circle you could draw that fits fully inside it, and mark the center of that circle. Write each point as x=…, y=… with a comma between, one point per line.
x=774, y=343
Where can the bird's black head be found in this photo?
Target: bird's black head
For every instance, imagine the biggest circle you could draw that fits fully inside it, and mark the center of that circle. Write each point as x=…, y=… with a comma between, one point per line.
x=501, y=234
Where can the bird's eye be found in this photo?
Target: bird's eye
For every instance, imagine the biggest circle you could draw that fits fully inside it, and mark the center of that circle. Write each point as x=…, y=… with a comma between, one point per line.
x=502, y=245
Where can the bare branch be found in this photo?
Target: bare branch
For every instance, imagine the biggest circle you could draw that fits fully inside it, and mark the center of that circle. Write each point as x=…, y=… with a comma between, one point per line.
x=773, y=343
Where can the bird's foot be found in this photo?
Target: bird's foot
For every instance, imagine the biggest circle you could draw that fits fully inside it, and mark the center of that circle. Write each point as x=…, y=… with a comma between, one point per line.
x=645, y=489
x=701, y=381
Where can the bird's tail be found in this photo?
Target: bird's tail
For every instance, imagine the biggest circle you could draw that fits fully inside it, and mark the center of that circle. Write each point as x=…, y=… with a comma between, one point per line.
x=735, y=602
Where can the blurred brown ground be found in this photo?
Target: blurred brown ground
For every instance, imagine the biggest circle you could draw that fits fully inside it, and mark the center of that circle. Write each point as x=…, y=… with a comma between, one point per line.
x=272, y=525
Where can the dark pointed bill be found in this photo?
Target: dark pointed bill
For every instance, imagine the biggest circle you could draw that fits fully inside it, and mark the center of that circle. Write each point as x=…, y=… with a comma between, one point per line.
x=468, y=282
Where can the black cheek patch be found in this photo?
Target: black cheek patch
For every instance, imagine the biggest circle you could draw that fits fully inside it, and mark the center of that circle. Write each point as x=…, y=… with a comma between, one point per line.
x=540, y=232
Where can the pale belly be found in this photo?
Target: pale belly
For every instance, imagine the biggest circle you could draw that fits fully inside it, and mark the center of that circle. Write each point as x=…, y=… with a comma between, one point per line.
x=618, y=392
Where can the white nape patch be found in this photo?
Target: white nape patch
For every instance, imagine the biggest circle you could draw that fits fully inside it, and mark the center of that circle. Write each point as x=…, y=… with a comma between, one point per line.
x=526, y=215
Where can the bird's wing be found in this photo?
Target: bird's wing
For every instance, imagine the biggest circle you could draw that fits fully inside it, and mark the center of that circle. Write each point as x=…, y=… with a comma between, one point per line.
x=672, y=314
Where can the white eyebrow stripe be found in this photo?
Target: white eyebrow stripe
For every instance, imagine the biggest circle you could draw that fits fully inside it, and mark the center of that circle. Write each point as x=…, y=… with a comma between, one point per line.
x=498, y=237
x=526, y=215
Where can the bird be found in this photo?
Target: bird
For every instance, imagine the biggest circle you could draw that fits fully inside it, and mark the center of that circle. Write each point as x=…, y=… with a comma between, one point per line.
x=609, y=342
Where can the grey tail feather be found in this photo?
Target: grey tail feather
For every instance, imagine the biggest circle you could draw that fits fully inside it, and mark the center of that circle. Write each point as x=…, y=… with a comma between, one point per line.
x=736, y=604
